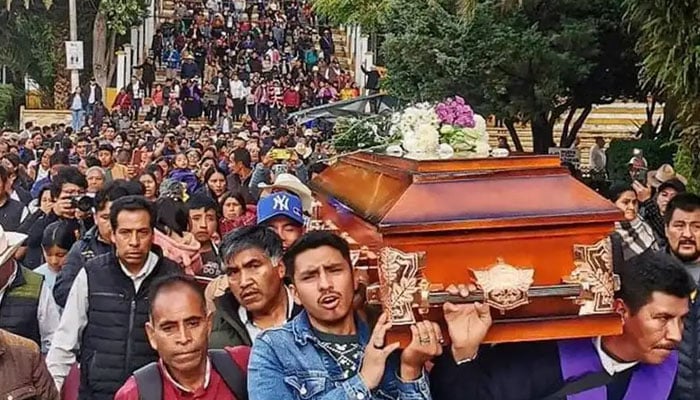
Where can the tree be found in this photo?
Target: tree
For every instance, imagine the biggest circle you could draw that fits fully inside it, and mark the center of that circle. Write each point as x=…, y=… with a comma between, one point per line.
x=668, y=43
x=113, y=18
x=528, y=63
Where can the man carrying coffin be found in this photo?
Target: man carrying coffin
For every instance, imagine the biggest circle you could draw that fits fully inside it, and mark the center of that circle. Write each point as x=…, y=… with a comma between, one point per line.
x=640, y=363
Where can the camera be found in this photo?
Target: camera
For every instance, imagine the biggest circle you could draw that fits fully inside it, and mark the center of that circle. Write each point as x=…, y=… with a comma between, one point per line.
x=83, y=203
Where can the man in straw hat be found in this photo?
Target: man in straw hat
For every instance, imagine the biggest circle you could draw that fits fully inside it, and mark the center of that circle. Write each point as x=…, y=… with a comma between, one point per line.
x=27, y=307
x=664, y=173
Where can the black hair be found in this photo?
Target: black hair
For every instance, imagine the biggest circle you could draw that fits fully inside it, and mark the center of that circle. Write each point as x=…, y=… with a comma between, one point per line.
x=251, y=237
x=59, y=233
x=171, y=216
x=106, y=147
x=651, y=272
x=243, y=156
x=4, y=173
x=12, y=158
x=237, y=195
x=59, y=158
x=116, y=189
x=688, y=202
x=314, y=240
x=202, y=200
x=67, y=175
x=212, y=171
x=616, y=190
x=92, y=161
x=317, y=168
x=674, y=184
x=131, y=203
x=172, y=281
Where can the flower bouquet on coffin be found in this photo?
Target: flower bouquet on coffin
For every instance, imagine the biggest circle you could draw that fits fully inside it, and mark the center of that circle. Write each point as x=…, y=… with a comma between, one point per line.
x=461, y=128
x=417, y=126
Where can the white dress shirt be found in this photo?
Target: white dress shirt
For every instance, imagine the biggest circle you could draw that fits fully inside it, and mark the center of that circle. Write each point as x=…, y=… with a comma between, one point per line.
x=598, y=159
x=75, y=318
x=610, y=365
x=253, y=330
x=47, y=313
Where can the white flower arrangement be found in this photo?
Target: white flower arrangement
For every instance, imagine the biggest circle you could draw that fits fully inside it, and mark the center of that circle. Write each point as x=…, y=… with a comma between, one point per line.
x=418, y=127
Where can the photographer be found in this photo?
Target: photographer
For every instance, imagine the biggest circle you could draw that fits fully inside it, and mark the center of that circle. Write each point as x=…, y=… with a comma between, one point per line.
x=67, y=186
x=97, y=240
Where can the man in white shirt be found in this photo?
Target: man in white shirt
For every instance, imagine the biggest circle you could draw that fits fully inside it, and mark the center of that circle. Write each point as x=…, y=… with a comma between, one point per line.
x=598, y=160
x=27, y=307
x=107, y=307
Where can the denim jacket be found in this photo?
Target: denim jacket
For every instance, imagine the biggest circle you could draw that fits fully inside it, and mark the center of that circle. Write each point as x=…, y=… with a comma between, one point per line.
x=287, y=364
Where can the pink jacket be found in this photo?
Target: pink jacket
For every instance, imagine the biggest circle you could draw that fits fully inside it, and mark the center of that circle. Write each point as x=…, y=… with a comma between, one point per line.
x=185, y=254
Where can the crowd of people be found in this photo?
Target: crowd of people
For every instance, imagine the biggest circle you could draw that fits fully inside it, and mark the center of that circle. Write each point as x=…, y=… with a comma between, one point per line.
x=144, y=258
x=226, y=63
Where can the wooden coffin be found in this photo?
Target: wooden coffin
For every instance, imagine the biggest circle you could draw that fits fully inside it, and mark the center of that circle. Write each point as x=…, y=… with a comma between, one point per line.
x=531, y=237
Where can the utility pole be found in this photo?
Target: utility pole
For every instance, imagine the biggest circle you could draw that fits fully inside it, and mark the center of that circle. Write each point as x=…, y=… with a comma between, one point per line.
x=73, y=16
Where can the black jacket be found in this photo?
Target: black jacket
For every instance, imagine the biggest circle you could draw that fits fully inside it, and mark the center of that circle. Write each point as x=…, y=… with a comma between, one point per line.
x=19, y=305
x=687, y=385
x=514, y=371
x=114, y=342
x=84, y=250
x=227, y=328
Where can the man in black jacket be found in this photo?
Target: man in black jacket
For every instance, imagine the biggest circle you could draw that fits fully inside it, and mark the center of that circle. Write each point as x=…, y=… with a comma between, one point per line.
x=257, y=298
x=682, y=223
x=96, y=241
x=640, y=363
x=107, y=307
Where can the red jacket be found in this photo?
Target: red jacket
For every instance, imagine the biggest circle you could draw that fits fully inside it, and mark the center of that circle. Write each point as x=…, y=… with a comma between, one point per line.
x=291, y=98
x=215, y=390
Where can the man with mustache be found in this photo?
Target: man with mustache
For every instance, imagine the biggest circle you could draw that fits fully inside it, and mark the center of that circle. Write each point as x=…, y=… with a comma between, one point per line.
x=327, y=352
x=256, y=298
x=682, y=219
x=640, y=363
x=178, y=327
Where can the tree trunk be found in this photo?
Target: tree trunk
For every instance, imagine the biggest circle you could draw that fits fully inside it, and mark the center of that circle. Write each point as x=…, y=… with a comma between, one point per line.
x=101, y=53
x=578, y=124
x=567, y=123
x=542, y=134
x=513, y=134
x=62, y=85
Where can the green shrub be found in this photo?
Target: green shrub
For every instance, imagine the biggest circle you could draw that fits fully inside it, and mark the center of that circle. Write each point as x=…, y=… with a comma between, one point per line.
x=8, y=97
x=656, y=152
x=686, y=165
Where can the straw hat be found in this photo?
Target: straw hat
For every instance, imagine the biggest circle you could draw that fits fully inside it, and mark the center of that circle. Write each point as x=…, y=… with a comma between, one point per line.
x=9, y=243
x=292, y=184
x=663, y=174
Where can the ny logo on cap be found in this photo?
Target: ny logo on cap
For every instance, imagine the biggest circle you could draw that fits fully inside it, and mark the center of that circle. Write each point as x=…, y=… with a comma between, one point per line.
x=281, y=203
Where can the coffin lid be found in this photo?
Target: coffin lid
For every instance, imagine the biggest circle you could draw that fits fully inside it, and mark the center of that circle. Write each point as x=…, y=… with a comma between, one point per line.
x=406, y=195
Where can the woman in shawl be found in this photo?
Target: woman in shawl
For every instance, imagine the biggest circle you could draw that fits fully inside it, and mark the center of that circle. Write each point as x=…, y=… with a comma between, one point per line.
x=633, y=236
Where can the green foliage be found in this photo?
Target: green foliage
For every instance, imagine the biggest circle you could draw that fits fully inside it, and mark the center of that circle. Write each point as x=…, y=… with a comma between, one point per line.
x=8, y=100
x=686, y=165
x=525, y=63
x=619, y=152
x=352, y=133
x=121, y=15
x=367, y=13
x=668, y=42
x=29, y=49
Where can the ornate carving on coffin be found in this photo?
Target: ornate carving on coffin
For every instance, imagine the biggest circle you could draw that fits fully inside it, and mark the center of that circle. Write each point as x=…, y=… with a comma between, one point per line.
x=593, y=270
x=398, y=278
x=504, y=286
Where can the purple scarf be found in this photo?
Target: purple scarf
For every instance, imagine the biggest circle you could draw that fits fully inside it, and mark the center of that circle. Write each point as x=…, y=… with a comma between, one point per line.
x=650, y=382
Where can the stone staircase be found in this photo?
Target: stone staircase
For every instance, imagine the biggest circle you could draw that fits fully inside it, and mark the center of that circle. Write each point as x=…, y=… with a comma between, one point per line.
x=610, y=121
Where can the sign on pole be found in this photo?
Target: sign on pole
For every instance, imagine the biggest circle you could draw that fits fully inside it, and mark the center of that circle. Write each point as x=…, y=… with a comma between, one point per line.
x=572, y=156
x=74, y=55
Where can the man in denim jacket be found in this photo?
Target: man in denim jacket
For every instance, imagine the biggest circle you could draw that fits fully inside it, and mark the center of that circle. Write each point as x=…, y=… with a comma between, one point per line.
x=326, y=352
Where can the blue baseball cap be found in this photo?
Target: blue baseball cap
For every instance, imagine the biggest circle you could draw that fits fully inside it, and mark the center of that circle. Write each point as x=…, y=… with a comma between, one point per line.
x=280, y=204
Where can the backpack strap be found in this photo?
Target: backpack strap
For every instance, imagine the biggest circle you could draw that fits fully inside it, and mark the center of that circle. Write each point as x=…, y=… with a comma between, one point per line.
x=230, y=372
x=149, y=382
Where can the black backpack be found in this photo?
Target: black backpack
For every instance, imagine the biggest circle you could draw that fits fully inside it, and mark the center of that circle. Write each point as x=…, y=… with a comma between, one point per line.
x=150, y=382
